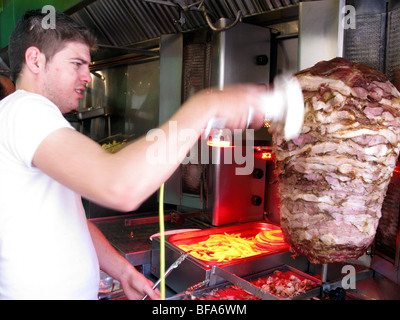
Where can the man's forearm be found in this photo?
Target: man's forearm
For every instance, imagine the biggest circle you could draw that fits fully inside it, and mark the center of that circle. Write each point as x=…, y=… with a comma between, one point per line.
x=110, y=260
x=134, y=283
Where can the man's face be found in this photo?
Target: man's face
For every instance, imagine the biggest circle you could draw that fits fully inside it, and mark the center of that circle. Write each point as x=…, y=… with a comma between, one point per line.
x=66, y=76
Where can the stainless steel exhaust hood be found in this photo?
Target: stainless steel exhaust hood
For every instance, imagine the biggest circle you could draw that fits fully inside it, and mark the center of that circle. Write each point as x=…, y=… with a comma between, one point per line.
x=123, y=25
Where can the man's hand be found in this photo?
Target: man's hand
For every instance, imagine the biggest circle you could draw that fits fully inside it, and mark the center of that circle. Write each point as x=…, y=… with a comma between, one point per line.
x=136, y=286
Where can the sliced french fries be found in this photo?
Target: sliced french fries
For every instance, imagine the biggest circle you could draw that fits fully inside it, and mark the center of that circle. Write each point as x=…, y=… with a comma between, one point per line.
x=227, y=247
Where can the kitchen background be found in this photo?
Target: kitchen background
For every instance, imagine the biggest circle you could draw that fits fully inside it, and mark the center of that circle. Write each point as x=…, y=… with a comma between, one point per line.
x=154, y=54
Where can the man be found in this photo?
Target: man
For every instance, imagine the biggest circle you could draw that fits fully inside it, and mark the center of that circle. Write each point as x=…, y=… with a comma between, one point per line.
x=48, y=250
x=6, y=87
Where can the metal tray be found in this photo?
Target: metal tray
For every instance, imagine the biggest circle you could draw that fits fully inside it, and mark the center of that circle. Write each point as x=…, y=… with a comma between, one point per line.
x=245, y=230
x=253, y=291
x=87, y=113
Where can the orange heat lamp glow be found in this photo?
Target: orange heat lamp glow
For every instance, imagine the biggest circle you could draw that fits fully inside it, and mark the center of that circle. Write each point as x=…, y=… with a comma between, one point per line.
x=219, y=144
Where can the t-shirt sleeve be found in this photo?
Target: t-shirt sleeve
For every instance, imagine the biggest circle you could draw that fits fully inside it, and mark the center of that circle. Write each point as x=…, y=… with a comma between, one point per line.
x=33, y=119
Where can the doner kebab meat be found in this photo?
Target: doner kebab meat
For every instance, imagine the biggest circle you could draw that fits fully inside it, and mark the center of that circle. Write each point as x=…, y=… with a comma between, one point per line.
x=334, y=176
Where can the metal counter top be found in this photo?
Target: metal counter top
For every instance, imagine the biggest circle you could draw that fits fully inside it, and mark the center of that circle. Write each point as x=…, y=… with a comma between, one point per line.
x=130, y=234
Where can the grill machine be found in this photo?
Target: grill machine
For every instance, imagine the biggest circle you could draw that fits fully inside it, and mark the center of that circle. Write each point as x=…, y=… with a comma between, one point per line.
x=194, y=197
x=194, y=272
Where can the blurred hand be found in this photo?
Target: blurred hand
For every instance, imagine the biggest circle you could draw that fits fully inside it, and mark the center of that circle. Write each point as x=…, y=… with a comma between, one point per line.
x=233, y=104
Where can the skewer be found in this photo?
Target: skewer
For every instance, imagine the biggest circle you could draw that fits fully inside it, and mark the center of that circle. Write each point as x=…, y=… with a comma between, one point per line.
x=324, y=273
x=197, y=286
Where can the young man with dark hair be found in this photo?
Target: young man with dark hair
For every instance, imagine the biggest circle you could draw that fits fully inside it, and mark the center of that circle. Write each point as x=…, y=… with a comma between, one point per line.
x=48, y=249
x=29, y=32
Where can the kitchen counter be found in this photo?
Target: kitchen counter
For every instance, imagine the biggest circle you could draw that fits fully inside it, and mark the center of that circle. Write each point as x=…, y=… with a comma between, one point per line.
x=130, y=234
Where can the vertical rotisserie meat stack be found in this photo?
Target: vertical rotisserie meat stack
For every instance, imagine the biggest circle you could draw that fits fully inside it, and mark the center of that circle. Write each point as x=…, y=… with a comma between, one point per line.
x=333, y=178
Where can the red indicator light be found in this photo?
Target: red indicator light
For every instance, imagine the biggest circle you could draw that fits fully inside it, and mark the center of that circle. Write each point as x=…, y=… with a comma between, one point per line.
x=266, y=156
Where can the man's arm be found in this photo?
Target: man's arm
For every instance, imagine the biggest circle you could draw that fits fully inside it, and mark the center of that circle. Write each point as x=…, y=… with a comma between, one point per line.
x=134, y=283
x=125, y=179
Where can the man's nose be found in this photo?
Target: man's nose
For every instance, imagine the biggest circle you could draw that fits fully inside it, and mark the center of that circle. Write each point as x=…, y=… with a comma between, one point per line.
x=86, y=76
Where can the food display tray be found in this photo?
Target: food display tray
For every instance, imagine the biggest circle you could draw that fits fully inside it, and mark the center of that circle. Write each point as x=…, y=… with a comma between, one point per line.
x=193, y=271
x=245, y=230
x=253, y=292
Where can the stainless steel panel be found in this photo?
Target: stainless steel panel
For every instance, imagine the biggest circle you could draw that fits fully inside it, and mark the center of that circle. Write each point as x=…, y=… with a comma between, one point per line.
x=393, y=45
x=142, y=98
x=234, y=54
x=287, y=55
x=320, y=31
x=234, y=198
x=171, y=57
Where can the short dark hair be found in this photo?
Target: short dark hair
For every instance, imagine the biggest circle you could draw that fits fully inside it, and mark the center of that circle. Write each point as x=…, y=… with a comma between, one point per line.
x=3, y=91
x=6, y=87
x=29, y=32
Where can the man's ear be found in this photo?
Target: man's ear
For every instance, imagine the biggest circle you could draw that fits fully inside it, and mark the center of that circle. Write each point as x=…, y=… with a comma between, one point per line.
x=34, y=59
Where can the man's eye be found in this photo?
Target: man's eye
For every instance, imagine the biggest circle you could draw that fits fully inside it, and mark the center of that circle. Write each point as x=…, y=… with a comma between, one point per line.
x=77, y=64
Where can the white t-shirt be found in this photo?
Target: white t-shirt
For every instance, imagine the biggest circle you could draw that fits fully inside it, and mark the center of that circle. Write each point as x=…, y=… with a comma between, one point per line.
x=46, y=251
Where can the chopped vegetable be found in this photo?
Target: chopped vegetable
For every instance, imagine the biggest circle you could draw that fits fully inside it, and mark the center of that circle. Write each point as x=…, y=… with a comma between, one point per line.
x=113, y=146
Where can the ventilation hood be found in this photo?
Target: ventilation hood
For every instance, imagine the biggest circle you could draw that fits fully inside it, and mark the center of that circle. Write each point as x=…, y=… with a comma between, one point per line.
x=134, y=26
x=126, y=27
